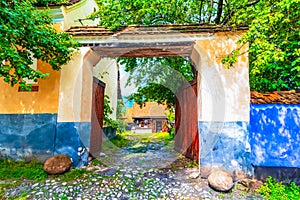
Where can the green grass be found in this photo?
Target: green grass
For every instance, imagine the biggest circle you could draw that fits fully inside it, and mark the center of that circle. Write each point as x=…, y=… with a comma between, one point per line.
x=120, y=140
x=124, y=139
x=163, y=136
x=74, y=174
x=274, y=190
x=17, y=170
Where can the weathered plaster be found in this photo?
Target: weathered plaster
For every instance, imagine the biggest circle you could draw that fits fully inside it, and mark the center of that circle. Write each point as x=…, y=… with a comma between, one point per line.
x=89, y=61
x=43, y=101
x=224, y=94
x=106, y=70
x=223, y=104
x=72, y=138
x=27, y=136
x=70, y=89
x=225, y=144
x=75, y=93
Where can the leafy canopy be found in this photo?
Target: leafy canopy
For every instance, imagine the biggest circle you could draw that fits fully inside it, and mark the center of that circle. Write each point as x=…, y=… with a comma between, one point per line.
x=274, y=42
x=157, y=79
x=273, y=35
x=27, y=33
x=115, y=13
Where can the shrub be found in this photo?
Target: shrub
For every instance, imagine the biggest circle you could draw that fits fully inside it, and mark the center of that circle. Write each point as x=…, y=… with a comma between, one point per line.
x=274, y=190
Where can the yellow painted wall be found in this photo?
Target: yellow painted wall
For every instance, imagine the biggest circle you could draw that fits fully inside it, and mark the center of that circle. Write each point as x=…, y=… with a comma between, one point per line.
x=43, y=101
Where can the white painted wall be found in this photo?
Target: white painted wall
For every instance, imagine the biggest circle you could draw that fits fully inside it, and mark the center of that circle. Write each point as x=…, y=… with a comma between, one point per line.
x=224, y=94
x=106, y=71
x=75, y=89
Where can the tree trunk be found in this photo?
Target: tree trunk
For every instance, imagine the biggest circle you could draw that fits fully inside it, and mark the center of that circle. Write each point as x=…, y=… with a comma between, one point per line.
x=219, y=12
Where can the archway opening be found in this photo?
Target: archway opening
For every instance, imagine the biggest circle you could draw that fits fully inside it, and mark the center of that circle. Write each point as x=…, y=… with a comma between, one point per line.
x=152, y=131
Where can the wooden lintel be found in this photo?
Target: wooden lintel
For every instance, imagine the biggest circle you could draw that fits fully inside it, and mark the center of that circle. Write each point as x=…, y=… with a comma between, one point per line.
x=114, y=50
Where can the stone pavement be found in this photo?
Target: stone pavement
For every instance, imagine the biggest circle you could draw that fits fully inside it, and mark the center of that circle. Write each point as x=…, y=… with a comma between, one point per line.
x=154, y=171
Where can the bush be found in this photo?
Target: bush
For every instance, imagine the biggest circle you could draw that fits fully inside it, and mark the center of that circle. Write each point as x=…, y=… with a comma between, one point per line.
x=274, y=190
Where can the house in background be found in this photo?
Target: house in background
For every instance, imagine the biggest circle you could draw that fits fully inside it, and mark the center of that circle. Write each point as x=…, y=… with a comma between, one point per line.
x=151, y=118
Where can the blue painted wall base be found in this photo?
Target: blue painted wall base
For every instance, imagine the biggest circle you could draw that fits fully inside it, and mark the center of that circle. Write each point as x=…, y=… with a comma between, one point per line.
x=27, y=135
x=72, y=138
x=225, y=144
x=40, y=136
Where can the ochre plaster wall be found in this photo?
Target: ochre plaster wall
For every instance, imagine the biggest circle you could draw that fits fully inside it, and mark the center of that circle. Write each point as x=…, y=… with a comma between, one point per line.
x=224, y=94
x=43, y=101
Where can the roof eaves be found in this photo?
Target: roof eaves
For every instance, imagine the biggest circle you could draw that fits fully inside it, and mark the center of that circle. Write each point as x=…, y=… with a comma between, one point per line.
x=151, y=29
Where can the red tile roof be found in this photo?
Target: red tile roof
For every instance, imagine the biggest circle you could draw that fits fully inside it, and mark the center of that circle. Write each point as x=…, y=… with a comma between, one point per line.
x=282, y=97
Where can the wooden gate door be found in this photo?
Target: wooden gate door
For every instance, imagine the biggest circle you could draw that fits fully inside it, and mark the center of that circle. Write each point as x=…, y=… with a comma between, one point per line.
x=97, y=117
x=186, y=121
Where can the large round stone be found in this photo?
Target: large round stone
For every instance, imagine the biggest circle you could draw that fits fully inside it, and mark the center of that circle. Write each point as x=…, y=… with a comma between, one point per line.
x=220, y=180
x=58, y=164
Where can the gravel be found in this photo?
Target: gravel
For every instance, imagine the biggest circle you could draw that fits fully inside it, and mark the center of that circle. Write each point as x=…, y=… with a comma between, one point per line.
x=125, y=184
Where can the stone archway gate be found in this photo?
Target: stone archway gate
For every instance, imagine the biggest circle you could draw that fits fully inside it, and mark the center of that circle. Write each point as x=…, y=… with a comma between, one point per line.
x=222, y=97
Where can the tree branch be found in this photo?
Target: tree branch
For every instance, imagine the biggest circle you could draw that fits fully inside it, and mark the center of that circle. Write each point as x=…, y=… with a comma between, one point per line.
x=211, y=8
x=253, y=3
x=200, y=11
x=219, y=12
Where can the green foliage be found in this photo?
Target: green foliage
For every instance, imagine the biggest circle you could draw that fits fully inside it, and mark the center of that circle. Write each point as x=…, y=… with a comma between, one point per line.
x=162, y=136
x=115, y=13
x=157, y=79
x=171, y=115
x=108, y=121
x=27, y=33
x=10, y=169
x=230, y=59
x=96, y=162
x=120, y=140
x=274, y=190
x=119, y=125
x=273, y=38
